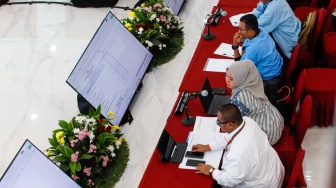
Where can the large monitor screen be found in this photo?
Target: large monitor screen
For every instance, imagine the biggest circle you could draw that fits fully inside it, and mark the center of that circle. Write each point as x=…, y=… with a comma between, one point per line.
x=31, y=168
x=111, y=68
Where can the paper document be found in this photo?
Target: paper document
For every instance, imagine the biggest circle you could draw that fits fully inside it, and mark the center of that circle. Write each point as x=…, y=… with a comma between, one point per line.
x=210, y=157
x=217, y=65
x=206, y=124
x=225, y=49
x=236, y=19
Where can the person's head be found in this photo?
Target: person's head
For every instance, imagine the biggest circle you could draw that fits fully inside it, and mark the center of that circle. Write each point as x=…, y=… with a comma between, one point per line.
x=248, y=26
x=242, y=75
x=229, y=118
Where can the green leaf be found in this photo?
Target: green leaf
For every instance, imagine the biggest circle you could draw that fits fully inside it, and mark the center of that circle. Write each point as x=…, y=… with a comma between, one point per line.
x=98, y=111
x=68, y=150
x=62, y=158
x=63, y=124
x=65, y=167
x=61, y=149
x=73, y=167
x=78, y=167
x=85, y=156
x=51, y=142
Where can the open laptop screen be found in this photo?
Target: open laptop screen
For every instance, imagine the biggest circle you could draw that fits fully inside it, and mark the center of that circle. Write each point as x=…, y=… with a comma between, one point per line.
x=31, y=168
x=166, y=145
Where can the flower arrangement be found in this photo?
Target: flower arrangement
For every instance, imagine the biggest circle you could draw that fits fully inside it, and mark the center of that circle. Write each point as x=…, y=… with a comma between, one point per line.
x=85, y=146
x=152, y=24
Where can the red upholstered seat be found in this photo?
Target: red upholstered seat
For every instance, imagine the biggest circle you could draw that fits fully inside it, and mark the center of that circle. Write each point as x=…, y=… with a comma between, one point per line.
x=320, y=84
x=290, y=142
x=329, y=50
x=307, y=57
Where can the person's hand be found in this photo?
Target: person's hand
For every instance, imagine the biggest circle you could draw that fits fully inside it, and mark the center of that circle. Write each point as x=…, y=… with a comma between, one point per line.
x=200, y=148
x=203, y=169
x=237, y=38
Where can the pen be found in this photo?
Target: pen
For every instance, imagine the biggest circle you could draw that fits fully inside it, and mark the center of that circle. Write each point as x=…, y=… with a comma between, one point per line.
x=224, y=53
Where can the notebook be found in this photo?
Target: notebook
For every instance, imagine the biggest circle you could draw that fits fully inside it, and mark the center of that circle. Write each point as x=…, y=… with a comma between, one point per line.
x=170, y=150
x=31, y=168
x=212, y=102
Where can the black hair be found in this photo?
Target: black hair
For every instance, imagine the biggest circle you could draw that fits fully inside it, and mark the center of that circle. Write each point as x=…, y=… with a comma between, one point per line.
x=230, y=112
x=251, y=21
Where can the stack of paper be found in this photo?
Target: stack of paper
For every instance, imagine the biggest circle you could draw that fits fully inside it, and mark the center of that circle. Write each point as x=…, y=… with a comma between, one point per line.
x=205, y=131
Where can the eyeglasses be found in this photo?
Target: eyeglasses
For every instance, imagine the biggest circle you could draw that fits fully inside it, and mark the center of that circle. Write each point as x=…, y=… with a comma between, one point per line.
x=243, y=29
x=225, y=122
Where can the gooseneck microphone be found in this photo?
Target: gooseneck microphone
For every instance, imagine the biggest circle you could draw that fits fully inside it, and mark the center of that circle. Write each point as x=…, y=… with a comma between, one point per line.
x=190, y=120
x=203, y=93
x=214, y=21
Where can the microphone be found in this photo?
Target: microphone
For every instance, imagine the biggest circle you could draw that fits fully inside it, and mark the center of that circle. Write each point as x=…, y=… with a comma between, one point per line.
x=203, y=93
x=217, y=15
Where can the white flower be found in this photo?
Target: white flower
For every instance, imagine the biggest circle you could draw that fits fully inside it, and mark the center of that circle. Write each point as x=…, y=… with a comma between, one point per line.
x=91, y=136
x=157, y=19
x=110, y=148
x=90, y=121
x=160, y=46
x=76, y=130
x=58, y=163
x=113, y=154
x=150, y=44
x=164, y=45
x=118, y=143
x=152, y=17
x=80, y=119
x=140, y=30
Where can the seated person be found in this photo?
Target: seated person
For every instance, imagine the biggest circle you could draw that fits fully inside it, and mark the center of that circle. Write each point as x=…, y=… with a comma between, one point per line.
x=248, y=94
x=277, y=17
x=260, y=48
x=248, y=159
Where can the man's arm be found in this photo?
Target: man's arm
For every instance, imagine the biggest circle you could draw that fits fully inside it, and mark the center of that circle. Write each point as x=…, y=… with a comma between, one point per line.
x=259, y=10
x=271, y=17
x=236, y=41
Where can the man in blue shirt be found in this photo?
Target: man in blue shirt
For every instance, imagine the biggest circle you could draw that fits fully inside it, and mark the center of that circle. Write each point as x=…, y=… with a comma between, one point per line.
x=260, y=48
x=276, y=17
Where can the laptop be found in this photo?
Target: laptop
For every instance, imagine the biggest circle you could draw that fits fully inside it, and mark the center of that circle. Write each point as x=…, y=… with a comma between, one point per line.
x=31, y=168
x=212, y=102
x=170, y=150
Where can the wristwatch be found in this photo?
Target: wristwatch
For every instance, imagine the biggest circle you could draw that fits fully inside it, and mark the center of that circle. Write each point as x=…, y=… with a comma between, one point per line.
x=234, y=47
x=211, y=171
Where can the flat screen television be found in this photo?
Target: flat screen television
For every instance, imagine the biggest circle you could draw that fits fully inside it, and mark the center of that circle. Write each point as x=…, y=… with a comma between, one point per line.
x=111, y=68
x=32, y=168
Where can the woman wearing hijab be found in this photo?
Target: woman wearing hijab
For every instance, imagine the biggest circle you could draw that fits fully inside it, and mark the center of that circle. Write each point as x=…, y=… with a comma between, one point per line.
x=248, y=94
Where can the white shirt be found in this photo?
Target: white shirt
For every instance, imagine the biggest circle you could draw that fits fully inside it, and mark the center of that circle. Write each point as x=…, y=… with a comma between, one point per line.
x=249, y=161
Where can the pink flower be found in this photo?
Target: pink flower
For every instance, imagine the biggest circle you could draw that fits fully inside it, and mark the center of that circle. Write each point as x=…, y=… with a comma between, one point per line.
x=87, y=171
x=73, y=142
x=159, y=10
x=74, y=177
x=92, y=148
x=82, y=134
x=148, y=9
x=157, y=5
x=90, y=182
x=163, y=18
x=74, y=157
x=105, y=160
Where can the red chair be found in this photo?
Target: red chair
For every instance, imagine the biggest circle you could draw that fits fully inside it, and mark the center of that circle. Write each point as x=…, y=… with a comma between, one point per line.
x=320, y=84
x=297, y=168
x=290, y=144
x=296, y=96
x=307, y=57
x=328, y=58
x=291, y=66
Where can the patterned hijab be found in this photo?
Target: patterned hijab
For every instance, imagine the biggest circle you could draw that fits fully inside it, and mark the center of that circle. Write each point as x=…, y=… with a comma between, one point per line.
x=246, y=76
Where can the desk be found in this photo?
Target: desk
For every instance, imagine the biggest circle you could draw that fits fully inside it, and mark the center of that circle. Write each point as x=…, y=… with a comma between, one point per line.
x=161, y=174
x=224, y=31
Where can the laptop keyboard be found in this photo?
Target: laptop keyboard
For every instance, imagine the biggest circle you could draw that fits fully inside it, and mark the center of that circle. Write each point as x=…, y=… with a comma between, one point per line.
x=178, y=154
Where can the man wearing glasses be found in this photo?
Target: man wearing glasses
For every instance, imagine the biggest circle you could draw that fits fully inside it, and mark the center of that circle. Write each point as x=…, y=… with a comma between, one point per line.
x=260, y=48
x=248, y=160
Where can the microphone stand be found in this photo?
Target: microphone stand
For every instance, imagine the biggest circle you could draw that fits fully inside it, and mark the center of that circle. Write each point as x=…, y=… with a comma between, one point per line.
x=188, y=120
x=208, y=35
